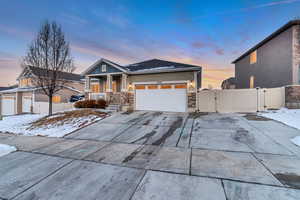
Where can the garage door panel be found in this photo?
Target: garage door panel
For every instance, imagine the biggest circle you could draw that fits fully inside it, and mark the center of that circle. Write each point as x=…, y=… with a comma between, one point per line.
x=161, y=100
x=26, y=107
x=8, y=106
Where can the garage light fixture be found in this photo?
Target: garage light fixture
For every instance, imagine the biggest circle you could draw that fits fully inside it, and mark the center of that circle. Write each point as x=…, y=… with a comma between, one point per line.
x=130, y=87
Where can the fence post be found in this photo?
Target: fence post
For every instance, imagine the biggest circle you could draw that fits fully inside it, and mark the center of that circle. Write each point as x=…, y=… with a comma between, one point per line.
x=216, y=99
x=257, y=99
x=265, y=106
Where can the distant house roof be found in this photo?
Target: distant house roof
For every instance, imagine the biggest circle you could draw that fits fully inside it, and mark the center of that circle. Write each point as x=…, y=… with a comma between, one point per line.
x=62, y=75
x=267, y=39
x=8, y=88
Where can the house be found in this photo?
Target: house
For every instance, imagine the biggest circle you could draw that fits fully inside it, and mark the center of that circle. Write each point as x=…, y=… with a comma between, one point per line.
x=229, y=83
x=155, y=84
x=273, y=62
x=26, y=98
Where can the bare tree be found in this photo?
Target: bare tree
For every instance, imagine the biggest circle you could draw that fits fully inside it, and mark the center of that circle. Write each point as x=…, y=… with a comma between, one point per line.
x=50, y=53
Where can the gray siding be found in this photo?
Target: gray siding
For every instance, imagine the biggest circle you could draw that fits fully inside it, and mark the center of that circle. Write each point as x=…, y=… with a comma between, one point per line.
x=109, y=69
x=274, y=67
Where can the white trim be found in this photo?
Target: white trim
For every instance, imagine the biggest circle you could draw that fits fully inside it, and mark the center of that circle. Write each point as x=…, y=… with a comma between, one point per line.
x=141, y=83
x=104, y=74
x=153, y=71
x=174, y=82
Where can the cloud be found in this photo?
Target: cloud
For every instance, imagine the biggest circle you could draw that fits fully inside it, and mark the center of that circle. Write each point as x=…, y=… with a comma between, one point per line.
x=73, y=19
x=10, y=67
x=208, y=45
x=15, y=31
x=228, y=12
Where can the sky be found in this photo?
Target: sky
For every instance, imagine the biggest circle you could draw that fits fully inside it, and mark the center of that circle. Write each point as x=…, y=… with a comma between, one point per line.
x=210, y=34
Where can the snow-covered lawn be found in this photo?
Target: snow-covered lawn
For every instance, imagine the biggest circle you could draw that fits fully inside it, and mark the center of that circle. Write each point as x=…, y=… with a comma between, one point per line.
x=290, y=117
x=6, y=149
x=57, y=125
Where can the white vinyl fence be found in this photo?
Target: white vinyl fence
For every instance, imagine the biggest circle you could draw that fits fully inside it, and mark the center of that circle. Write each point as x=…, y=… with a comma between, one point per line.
x=241, y=100
x=43, y=107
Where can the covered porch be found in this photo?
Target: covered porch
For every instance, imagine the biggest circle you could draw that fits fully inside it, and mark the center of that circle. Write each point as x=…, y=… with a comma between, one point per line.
x=106, y=86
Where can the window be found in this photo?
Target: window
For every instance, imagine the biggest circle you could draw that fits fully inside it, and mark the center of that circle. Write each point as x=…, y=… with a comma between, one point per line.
x=253, y=57
x=252, y=82
x=56, y=99
x=152, y=87
x=103, y=68
x=95, y=88
x=25, y=82
x=140, y=87
x=166, y=87
x=180, y=86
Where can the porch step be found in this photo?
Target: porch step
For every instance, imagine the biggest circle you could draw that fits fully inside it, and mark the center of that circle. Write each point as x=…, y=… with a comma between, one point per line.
x=113, y=107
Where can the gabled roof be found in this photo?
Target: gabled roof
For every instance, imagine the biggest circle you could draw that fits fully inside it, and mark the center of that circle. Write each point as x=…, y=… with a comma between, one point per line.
x=148, y=66
x=267, y=39
x=37, y=71
x=157, y=64
x=105, y=61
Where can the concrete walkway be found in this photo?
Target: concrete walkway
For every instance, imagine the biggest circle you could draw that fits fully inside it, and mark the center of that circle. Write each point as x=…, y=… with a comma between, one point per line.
x=151, y=155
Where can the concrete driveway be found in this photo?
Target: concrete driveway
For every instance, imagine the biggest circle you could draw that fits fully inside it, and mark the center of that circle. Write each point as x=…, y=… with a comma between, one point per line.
x=160, y=156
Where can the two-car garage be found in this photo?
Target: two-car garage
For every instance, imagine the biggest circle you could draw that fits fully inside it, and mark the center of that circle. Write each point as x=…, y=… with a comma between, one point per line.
x=14, y=103
x=161, y=97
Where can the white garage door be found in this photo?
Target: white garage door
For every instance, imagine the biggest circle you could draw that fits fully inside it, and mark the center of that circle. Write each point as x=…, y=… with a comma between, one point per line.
x=171, y=98
x=8, y=106
x=26, y=104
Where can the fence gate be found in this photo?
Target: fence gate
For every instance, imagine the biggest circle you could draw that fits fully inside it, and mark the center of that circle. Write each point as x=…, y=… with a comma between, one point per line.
x=241, y=100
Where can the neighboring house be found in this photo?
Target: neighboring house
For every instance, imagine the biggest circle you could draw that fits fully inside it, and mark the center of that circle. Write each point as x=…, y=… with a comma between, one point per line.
x=229, y=83
x=155, y=84
x=26, y=98
x=274, y=62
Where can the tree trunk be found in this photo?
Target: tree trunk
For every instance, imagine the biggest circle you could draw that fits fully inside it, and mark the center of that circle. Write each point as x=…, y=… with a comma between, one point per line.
x=50, y=106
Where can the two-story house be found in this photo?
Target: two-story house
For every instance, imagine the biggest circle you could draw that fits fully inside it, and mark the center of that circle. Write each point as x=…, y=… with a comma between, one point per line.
x=25, y=97
x=273, y=62
x=155, y=84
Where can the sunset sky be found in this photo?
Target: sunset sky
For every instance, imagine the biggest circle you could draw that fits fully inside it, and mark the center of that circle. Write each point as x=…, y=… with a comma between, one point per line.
x=206, y=33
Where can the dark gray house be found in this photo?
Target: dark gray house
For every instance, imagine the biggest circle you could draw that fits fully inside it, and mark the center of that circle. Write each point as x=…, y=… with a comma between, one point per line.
x=274, y=62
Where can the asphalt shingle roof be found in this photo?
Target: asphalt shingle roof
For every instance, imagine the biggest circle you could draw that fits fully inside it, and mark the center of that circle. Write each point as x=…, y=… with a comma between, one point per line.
x=157, y=64
x=62, y=75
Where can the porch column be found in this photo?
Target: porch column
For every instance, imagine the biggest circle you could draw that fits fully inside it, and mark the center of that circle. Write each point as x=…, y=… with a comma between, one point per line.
x=109, y=83
x=87, y=84
x=124, y=83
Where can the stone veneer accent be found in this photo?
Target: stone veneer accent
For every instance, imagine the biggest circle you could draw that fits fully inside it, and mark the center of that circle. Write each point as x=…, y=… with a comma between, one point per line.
x=192, y=100
x=292, y=96
x=296, y=53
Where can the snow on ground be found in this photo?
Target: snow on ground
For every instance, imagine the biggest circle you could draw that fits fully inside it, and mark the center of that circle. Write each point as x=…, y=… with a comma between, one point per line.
x=21, y=124
x=296, y=141
x=6, y=149
x=290, y=117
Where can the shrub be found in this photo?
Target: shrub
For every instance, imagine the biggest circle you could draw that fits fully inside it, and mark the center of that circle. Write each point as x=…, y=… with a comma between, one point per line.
x=101, y=103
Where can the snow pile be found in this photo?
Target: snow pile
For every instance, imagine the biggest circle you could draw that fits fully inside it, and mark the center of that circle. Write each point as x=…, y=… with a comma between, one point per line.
x=296, y=141
x=6, y=149
x=290, y=117
x=57, y=125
